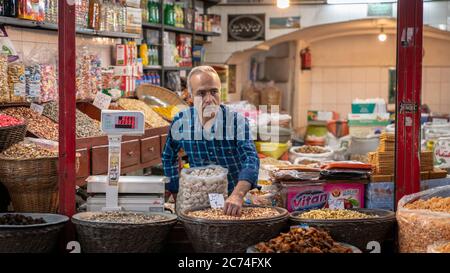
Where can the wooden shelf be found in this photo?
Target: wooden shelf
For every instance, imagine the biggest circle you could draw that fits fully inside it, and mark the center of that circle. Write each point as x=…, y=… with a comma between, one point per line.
x=151, y=25
x=206, y=34
x=178, y=30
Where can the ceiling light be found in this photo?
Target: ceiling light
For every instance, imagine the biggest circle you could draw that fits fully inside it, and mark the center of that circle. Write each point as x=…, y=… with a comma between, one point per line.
x=382, y=36
x=282, y=4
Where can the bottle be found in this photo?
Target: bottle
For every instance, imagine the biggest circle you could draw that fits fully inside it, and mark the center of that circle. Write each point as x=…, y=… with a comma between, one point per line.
x=151, y=18
x=143, y=54
x=94, y=14
x=157, y=8
x=169, y=13
x=144, y=7
x=158, y=80
x=10, y=8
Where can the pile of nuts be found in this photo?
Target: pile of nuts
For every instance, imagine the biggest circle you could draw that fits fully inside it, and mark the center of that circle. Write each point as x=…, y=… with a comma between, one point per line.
x=246, y=214
x=335, y=214
x=197, y=183
x=85, y=126
x=6, y=121
x=307, y=149
x=20, y=220
x=422, y=223
x=41, y=126
x=125, y=217
x=151, y=117
x=300, y=240
x=438, y=204
x=23, y=150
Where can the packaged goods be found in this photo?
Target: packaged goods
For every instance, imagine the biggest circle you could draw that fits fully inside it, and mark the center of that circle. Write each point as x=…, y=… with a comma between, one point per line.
x=301, y=240
x=423, y=219
x=342, y=174
x=40, y=126
x=133, y=20
x=31, y=10
x=20, y=220
x=247, y=213
x=197, y=183
x=4, y=91
x=16, y=81
x=335, y=214
x=88, y=74
x=294, y=175
x=125, y=217
x=27, y=150
x=263, y=198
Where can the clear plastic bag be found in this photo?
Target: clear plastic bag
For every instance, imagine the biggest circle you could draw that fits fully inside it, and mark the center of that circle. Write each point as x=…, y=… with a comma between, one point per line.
x=197, y=183
x=419, y=228
x=439, y=247
x=4, y=91
x=89, y=74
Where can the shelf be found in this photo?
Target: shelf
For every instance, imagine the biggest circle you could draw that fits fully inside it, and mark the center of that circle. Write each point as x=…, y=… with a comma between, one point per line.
x=177, y=68
x=151, y=25
x=202, y=33
x=17, y=22
x=153, y=67
x=178, y=30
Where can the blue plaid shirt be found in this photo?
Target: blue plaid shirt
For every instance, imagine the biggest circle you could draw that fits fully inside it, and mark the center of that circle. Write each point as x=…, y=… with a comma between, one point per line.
x=228, y=144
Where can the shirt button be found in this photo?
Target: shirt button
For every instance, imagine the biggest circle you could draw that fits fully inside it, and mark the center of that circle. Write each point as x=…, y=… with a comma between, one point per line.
x=211, y=153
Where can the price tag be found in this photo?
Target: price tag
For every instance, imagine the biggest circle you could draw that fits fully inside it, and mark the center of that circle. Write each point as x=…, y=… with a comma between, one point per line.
x=216, y=200
x=337, y=204
x=37, y=108
x=102, y=101
x=183, y=73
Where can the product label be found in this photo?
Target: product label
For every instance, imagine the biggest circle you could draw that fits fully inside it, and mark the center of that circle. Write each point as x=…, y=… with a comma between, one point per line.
x=34, y=90
x=442, y=152
x=310, y=199
x=102, y=101
x=216, y=200
x=37, y=108
x=19, y=90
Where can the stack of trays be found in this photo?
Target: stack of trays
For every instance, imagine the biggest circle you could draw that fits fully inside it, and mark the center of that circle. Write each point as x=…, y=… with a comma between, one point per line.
x=387, y=142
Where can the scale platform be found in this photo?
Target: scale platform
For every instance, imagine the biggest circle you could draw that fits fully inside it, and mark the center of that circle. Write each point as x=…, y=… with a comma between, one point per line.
x=128, y=184
x=141, y=203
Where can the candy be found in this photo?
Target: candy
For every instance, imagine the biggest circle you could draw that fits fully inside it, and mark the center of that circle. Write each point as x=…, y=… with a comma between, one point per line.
x=6, y=121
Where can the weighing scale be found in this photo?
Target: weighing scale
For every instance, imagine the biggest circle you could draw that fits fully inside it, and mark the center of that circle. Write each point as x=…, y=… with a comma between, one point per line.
x=113, y=192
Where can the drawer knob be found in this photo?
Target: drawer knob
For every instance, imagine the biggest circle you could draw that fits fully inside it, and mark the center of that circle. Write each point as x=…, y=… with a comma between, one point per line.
x=151, y=149
x=130, y=153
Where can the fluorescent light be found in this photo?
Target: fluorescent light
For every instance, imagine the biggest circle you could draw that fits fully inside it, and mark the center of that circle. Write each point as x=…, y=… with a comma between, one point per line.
x=282, y=4
x=359, y=1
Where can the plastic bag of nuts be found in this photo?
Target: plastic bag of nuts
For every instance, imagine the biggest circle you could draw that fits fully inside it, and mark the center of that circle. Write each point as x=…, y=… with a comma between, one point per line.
x=197, y=183
x=423, y=219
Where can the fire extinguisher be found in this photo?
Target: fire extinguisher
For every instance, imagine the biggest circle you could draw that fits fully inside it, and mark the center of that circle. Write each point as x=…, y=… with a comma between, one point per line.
x=305, y=56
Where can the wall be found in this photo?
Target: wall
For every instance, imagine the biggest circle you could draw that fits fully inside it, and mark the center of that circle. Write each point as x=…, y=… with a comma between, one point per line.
x=26, y=41
x=436, y=14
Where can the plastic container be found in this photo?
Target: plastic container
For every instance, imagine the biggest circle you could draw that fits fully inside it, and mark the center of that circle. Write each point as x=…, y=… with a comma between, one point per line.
x=275, y=150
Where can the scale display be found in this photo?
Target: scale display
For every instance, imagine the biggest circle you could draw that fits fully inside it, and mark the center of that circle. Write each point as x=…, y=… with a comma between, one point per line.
x=117, y=122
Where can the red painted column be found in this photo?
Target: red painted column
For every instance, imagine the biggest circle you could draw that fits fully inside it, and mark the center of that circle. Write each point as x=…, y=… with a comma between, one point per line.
x=409, y=84
x=67, y=104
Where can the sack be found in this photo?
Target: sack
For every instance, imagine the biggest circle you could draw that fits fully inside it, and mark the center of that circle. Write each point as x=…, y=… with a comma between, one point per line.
x=197, y=183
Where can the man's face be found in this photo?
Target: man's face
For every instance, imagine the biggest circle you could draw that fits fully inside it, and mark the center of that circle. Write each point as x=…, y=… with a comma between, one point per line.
x=206, y=92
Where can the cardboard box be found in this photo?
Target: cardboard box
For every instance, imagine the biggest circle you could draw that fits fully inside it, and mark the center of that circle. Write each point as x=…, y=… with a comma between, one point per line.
x=314, y=115
x=121, y=54
x=127, y=84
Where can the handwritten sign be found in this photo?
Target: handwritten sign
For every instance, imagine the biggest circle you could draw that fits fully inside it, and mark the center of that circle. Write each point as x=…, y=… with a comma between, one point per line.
x=216, y=200
x=37, y=108
x=246, y=27
x=102, y=101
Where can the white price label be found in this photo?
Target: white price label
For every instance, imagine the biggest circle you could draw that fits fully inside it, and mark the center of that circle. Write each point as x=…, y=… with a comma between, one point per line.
x=216, y=200
x=102, y=101
x=183, y=73
x=337, y=204
x=37, y=108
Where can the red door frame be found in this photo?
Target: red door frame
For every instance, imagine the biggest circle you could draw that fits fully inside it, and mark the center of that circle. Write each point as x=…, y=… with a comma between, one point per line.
x=409, y=84
x=67, y=105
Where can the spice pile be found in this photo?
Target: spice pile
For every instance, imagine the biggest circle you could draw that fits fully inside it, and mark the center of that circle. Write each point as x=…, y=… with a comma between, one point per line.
x=326, y=214
x=307, y=149
x=151, y=117
x=41, y=126
x=246, y=214
x=300, y=240
x=85, y=126
x=19, y=219
x=24, y=150
x=7, y=121
x=438, y=204
x=126, y=218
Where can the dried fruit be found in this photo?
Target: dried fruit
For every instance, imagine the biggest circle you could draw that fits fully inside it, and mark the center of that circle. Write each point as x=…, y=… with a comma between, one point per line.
x=23, y=150
x=246, y=214
x=335, y=214
x=301, y=240
x=439, y=204
x=21, y=220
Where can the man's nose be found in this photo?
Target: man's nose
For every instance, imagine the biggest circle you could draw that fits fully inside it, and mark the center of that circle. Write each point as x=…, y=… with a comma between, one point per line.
x=208, y=98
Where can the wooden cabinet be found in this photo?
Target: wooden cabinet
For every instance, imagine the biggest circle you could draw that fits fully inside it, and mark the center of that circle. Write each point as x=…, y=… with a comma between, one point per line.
x=83, y=165
x=150, y=149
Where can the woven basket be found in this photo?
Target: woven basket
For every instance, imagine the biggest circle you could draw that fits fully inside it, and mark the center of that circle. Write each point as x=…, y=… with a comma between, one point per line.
x=231, y=236
x=152, y=95
x=11, y=135
x=107, y=237
x=39, y=238
x=32, y=184
x=357, y=232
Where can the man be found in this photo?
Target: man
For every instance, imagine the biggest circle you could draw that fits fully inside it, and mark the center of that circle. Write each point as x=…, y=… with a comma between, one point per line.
x=210, y=134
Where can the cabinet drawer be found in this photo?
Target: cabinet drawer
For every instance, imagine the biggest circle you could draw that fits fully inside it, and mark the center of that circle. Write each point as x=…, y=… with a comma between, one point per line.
x=83, y=163
x=130, y=155
x=150, y=149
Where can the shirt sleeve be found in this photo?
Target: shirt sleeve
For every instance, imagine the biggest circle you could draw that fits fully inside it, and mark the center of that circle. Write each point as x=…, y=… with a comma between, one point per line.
x=170, y=160
x=246, y=147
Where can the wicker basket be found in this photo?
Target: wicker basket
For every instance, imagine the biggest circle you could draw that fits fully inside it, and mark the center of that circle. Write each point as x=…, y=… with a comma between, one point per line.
x=107, y=237
x=229, y=236
x=39, y=238
x=11, y=135
x=357, y=232
x=153, y=95
x=32, y=184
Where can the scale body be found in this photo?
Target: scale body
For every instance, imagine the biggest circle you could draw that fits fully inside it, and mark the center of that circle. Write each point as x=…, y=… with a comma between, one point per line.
x=114, y=192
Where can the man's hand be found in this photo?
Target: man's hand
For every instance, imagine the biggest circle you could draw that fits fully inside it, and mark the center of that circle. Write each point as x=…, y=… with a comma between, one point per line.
x=233, y=204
